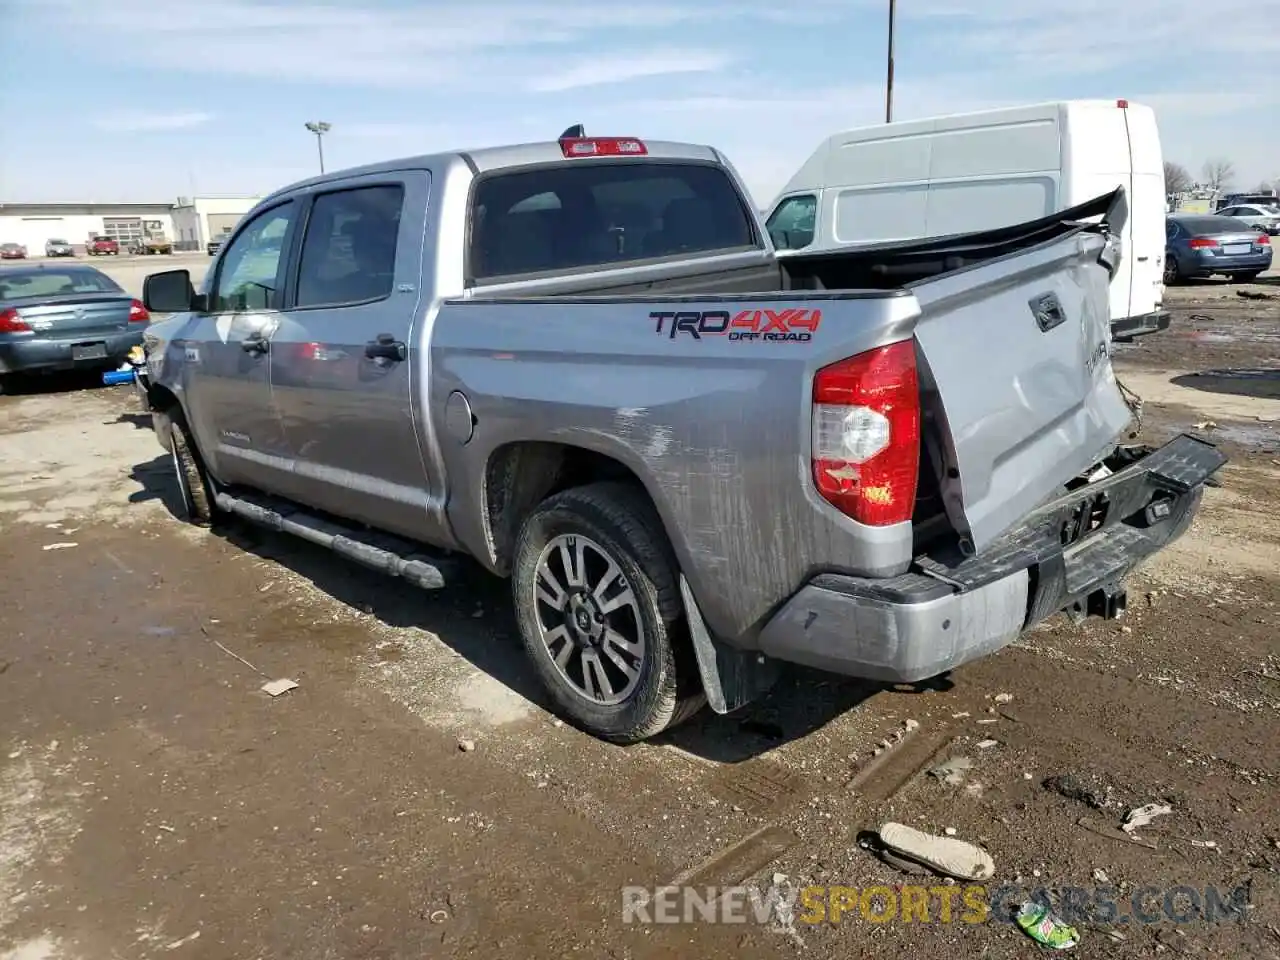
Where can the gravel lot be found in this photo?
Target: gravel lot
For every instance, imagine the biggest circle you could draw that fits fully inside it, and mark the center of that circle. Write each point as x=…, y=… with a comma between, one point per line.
x=153, y=802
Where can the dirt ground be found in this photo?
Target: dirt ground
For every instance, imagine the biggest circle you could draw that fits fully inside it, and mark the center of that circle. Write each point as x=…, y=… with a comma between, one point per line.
x=155, y=803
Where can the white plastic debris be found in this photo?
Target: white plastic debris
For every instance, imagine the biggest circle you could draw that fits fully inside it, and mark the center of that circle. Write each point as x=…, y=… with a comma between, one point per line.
x=276, y=687
x=1141, y=816
x=988, y=744
x=65, y=545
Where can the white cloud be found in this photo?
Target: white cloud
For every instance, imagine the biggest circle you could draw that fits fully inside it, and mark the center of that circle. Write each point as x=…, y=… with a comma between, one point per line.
x=596, y=70
x=144, y=122
x=493, y=45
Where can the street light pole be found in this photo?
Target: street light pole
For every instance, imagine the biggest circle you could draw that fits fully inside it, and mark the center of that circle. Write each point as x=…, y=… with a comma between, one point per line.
x=319, y=128
x=888, y=89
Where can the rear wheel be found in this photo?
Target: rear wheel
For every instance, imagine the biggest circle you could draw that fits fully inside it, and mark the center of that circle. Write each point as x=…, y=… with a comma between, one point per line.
x=600, y=613
x=1172, y=272
x=193, y=480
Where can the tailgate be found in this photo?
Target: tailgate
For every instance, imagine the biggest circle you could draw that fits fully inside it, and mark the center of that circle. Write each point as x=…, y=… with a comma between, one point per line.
x=1018, y=349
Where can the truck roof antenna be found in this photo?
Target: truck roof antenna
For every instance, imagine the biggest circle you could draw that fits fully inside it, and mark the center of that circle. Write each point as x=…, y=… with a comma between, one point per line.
x=576, y=132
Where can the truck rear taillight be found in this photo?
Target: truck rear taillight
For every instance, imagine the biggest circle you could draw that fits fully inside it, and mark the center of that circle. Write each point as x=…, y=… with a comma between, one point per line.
x=10, y=322
x=866, y=434
x=138, y=313
x=603, y=147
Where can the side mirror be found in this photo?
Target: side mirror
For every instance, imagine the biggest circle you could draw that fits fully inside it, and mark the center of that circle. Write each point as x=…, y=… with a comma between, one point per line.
x=168, y=292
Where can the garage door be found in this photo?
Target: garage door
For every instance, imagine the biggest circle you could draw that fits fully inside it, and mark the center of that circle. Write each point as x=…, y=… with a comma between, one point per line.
x=221, y=223
x=126, y=230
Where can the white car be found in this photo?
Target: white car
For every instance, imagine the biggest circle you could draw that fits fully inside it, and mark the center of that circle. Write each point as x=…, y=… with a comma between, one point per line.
x=1255, y=215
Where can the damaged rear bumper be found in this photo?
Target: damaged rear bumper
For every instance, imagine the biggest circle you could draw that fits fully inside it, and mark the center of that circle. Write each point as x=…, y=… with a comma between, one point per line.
x=1071, y=554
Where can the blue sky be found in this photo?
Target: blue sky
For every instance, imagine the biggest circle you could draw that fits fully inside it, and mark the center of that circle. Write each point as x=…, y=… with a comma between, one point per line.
x=152, y=99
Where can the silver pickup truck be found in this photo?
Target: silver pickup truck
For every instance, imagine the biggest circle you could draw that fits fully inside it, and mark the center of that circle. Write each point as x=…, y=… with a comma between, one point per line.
x=579, y=364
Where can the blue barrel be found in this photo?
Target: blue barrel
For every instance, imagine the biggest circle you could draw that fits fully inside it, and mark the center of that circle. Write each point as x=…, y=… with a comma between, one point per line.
x=112, y=377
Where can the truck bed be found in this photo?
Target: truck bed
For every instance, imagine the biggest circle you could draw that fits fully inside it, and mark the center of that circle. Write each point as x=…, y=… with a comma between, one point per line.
x=874, y=267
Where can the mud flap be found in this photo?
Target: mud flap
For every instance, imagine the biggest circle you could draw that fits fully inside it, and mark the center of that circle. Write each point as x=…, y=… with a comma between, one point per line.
x=731, y=678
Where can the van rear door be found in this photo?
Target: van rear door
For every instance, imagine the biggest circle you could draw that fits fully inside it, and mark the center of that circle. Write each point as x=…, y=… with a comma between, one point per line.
x=1146, y=210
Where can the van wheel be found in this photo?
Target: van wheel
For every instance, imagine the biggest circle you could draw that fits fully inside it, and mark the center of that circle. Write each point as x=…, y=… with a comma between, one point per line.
x=193, y=480
x=600, y=613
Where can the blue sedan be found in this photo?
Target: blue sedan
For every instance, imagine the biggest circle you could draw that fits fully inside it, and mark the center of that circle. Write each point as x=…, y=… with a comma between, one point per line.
x=1201, y=246
x=64, y=317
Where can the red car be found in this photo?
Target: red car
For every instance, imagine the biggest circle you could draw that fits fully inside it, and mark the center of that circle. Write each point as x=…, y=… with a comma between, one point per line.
x=102, y=246
x=12, y=251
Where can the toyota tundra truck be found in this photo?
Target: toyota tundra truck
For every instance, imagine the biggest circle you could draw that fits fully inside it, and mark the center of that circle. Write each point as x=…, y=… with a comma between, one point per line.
x=579, y=365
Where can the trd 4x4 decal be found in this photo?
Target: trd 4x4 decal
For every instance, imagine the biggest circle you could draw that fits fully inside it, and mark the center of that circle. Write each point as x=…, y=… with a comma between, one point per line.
x=795, y=324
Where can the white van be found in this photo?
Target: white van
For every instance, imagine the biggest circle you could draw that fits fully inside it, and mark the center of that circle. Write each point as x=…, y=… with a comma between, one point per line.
x=976, y=171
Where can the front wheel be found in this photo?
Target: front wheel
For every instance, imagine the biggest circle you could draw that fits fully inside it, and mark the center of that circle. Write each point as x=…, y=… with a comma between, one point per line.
x=194, y=485
x=600, y=613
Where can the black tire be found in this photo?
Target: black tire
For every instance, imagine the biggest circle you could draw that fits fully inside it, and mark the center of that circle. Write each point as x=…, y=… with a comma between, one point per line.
x=194, y=487
x=619, y=520
x=1172, y=272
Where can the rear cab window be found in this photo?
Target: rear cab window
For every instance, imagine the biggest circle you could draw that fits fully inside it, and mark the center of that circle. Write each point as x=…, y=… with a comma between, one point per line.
x=592, y=215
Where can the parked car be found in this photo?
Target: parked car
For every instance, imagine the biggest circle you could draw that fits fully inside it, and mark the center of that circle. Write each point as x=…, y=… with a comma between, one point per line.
x=61, y=317
x=12, y=251
x=581, y=364
x=1200, y=246
x=1258, y=216
x=1234, y=199
x=102, y=246
x=58, y=248
x=214, y=245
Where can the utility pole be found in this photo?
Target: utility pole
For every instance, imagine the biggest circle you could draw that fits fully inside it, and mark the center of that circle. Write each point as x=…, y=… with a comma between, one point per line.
x=888, y=89
x=319, y=128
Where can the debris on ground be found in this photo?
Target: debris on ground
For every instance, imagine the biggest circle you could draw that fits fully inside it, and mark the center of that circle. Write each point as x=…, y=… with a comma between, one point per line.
x=944, y=855
x=988, y=744
x=1101, y=875
x=1113, y=832
x=466, y=746
x=1043, y=927
x=1205, y=425
x=1206, y=844
x=276, y=687
x=1003, y=697
x=1141, y=816
x=1255, y=295
x=64, y=545
x=1087, y=789
x=952, y=771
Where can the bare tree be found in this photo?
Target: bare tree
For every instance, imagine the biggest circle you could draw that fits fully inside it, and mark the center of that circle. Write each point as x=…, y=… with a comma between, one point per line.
x=1176, y=178
x=1218, y=174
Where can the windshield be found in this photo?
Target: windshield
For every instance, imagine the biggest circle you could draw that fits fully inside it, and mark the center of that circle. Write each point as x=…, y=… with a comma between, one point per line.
x=58, y=243
x=30, y=284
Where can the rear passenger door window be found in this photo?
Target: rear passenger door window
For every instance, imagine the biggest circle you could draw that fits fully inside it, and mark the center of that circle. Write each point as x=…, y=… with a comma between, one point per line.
x=349, y=250
x=585, y=215
x=250, y=271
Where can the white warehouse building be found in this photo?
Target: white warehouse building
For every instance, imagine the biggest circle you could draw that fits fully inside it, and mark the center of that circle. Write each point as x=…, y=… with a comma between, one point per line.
x=197, y=220
x=190, y=223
